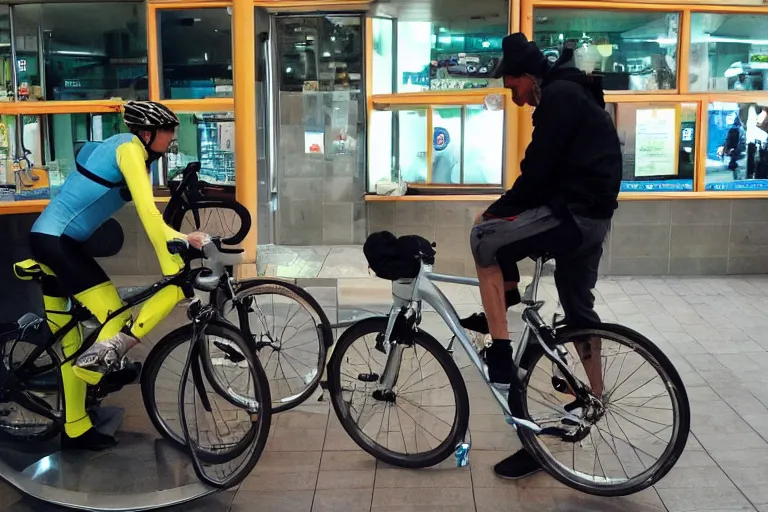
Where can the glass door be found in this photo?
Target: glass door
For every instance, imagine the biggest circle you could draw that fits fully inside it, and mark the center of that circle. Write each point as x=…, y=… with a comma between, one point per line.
x=319, y=128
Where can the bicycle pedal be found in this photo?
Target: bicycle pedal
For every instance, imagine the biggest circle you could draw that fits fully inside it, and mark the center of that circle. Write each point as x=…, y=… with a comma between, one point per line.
x=126, y=375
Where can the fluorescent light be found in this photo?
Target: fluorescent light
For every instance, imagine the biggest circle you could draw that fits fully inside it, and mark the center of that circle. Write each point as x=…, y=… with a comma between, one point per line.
x=708, y=38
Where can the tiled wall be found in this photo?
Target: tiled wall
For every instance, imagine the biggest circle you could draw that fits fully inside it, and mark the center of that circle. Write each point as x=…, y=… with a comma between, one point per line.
x=647, y=237
x=320, y=195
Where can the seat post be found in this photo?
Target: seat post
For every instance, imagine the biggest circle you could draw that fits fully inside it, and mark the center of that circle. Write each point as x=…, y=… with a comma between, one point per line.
x=536, y=278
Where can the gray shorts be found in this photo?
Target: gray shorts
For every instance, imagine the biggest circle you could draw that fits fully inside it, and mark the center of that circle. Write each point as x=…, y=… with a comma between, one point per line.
x=576, y=244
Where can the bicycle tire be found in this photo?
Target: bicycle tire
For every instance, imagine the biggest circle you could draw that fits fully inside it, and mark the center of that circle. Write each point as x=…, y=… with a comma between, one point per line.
x=260, y=419
x=672, y=381
x=55, y=427
x=152, y=365
x=323, y=329
x=443, y=358
x=180, y=209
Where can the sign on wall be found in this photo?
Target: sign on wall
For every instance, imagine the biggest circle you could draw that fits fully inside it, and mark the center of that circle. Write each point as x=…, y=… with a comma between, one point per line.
x=656, y=142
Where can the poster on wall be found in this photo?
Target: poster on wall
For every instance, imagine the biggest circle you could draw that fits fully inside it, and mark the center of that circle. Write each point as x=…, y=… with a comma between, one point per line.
x=656, y=141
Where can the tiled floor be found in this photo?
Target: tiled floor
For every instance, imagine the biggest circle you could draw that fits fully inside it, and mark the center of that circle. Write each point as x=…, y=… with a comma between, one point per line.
x=715, y=330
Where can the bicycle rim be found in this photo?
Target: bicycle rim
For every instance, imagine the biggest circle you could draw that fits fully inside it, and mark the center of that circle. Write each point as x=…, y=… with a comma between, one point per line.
x=225, y=440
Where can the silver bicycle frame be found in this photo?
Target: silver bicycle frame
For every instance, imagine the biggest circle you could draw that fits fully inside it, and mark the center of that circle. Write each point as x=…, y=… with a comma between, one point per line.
x=409, y=294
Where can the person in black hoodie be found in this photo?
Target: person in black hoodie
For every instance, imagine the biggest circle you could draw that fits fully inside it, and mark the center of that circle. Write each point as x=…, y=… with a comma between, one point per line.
x=561, y=204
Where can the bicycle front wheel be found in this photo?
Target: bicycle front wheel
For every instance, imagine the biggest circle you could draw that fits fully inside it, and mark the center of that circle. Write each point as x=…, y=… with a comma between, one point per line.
x=225, y=411
x=628, y=443
x=423, y=419
x=224, y=392
x=291, y=333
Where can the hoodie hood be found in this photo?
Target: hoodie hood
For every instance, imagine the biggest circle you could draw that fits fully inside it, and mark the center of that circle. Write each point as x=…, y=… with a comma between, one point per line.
x=565, y=69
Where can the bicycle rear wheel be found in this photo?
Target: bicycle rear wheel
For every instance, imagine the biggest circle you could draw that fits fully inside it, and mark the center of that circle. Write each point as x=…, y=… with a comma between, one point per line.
x=422, y=421
x=28, y=401
x=628, y=443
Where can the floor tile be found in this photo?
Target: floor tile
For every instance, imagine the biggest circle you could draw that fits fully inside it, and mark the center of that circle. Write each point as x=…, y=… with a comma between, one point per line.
x=348, y=500
x=347, y=461
x=280, y=482
x=432, y=478
x=296, y=440
x=288, y=462
x=423, y=497
x=354, y=479
x=273, y=501
x=714, y=498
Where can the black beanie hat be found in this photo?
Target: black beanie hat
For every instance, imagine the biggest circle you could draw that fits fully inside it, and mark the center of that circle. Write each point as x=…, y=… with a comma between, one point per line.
x=520, y=57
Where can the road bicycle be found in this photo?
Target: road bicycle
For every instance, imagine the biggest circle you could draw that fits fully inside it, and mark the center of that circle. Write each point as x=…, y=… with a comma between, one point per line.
x=291, y=330
x=414, y=414
x=216, y=373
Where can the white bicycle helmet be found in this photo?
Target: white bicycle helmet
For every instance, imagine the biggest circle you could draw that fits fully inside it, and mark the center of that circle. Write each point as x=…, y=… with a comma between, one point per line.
x=148, y=115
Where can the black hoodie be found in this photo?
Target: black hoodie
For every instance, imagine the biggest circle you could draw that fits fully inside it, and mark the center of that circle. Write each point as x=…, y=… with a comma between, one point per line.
x=573, y=163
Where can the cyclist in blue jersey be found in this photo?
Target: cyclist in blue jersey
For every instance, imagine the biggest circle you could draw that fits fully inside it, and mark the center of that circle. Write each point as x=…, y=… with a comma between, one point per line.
x=109, y=175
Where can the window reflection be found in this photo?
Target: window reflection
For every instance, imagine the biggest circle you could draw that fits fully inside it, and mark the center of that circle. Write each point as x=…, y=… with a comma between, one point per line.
x=634, y=51
x=729, y=52
x=737, y=147
x=483, y=146
x=412, y=145
x=320, y=53
x=208, y=138
x=383, y=56
x=89, y=53
x=658, y=145
x=467, y=146
x=446, y=46
x=196, y=53
x=446, y=145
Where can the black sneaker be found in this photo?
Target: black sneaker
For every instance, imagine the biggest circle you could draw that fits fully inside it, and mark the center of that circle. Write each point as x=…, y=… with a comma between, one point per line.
x=498, y=358
x=92, y=440
x=477, y=322
x=518, y=465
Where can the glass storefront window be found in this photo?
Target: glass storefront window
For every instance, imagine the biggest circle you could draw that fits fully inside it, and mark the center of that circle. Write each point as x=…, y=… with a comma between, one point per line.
x=320, y=55
x=634, y=51
x=6, y=80
x=412, y=145
x=208, y=138
x=380, y=156
x=467, y=146
x=446, y=145
x=737, y=147
x=658, y=145
x=383, y=55
x=729, y=52
x=483, y=146
x=68, y=133
x=89, y=53
x=444, y=47
x=195, y=53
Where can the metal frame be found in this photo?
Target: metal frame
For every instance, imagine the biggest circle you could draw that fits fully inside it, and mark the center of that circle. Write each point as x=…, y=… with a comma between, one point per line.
x=408, y=294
